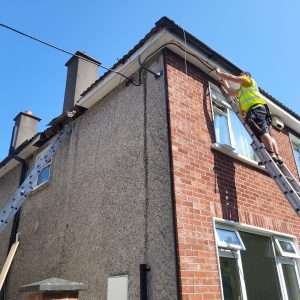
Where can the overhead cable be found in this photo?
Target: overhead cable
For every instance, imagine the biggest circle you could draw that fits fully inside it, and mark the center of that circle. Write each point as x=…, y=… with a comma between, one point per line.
x=65, y=51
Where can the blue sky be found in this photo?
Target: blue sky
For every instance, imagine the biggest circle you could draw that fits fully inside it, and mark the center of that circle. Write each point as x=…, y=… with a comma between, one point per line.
x=262, y=37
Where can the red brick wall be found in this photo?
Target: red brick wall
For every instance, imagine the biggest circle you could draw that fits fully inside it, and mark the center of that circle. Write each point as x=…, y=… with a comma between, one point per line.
x=210, y=184
x=53, y=296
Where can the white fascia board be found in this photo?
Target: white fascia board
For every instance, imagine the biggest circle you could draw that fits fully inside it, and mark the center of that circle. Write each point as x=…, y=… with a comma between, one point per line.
x=151, y=46
x=12, y=163
x=287, y=118
x=112, y=80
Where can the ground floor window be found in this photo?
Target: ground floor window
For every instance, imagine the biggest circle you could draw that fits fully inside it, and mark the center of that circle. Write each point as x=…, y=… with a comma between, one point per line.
x=260, y=267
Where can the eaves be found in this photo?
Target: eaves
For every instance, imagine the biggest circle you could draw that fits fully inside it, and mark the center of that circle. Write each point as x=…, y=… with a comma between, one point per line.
x=167, y=34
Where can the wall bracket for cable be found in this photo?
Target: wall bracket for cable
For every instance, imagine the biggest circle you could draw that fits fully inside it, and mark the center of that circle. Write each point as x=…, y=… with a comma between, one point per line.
x=155, y=74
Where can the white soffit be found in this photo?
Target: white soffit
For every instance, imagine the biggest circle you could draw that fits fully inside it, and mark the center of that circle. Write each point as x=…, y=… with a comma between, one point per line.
x=158, y=40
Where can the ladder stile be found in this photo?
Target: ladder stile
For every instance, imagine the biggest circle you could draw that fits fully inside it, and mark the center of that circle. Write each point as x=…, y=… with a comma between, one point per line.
x=285, y=180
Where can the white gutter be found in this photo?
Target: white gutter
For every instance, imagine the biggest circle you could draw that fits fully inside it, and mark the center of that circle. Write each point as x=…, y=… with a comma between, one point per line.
x=155, y=42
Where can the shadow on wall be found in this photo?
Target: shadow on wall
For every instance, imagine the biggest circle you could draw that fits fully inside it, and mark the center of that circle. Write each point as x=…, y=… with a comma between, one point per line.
x=224, y=169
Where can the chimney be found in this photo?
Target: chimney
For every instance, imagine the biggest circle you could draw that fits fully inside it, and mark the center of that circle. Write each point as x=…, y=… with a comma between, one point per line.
x=25, y=128
x=81, y=75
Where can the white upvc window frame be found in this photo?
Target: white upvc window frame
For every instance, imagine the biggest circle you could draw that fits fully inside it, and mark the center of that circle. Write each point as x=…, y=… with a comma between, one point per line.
x=234, y=254
x=222, y=101
x=226, y=245
x=286, y=261
x=279, y=260
x=36, y=186
x=295, y=140
x=213, y=89
x=283, y=253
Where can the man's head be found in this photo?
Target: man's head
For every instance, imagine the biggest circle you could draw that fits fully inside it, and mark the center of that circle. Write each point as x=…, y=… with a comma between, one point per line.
x=247, y=74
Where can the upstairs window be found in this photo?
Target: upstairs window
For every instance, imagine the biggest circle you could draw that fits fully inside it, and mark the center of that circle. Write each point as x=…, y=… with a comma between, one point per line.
x=296, y=151
x=229, y=130
x=44, y=175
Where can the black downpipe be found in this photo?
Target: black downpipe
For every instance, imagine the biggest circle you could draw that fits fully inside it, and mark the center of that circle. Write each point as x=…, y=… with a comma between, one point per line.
x=16, y=220
x=143, y=281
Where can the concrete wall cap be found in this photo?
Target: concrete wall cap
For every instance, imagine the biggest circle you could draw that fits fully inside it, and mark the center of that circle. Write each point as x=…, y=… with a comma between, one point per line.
x=53, y=284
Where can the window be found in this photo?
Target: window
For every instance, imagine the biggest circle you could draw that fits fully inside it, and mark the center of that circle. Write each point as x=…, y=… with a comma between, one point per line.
x=230, y=274
x=229, y=130
x=296, y=150
x=229, y=239
x=286, y=247
x=289, y=278
x=117, y=287
x=45, y=173
x=255, y=266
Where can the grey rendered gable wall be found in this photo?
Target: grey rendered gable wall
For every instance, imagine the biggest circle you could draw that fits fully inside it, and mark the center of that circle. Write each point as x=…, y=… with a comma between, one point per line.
x=108, y=207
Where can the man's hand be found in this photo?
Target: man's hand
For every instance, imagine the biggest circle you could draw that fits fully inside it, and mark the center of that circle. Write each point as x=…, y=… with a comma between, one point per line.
x=218, y=71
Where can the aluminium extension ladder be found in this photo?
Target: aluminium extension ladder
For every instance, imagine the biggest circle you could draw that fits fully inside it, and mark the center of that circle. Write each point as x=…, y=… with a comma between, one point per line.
x=15, y=202
x=280, y=173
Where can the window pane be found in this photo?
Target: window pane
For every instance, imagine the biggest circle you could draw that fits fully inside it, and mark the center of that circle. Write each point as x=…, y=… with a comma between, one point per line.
x=259, y=268
x=44, y=175
x=291, y=282
x=296, y=150
x=242, y=140
x=228, y=236
x=230, y=279
x=287, y=246
x=221, y=129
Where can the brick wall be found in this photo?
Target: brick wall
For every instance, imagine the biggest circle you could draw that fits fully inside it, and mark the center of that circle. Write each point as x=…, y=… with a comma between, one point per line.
x=210, y=184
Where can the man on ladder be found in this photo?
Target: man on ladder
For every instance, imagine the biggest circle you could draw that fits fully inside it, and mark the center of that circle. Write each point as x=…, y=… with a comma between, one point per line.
x=254, y=109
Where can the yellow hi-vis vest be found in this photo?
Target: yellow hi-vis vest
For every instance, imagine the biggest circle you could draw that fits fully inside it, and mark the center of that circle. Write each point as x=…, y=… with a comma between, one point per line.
x=249, y=96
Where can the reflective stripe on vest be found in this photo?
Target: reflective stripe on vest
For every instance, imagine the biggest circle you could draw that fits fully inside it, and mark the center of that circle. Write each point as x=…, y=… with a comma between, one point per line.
x=249, y=96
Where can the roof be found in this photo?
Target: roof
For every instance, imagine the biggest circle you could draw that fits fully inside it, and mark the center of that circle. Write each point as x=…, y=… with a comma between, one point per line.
x=170, y=25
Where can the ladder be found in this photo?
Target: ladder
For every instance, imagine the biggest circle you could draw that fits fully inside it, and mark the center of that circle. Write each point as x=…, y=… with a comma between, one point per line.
x=15, y=202
x=285, y=180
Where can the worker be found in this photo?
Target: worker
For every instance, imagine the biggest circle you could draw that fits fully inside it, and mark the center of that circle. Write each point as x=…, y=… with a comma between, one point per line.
x=253, y=108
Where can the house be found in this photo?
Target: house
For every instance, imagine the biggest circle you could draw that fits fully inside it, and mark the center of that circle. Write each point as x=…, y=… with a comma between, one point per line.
x=156, y=193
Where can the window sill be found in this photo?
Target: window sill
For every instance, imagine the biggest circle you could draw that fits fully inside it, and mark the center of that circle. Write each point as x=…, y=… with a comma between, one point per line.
x=227, y=150
x=40, y=187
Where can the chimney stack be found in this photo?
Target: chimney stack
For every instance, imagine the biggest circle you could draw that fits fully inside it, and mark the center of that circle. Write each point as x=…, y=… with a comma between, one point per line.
x=25, y=128
x=81, y=75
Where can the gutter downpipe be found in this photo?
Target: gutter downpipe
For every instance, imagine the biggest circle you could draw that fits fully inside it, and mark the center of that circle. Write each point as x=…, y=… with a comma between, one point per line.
x=16, y=220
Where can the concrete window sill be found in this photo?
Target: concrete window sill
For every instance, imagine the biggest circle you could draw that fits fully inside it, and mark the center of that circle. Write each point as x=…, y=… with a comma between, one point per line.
x=40, y=187
x=227, y=150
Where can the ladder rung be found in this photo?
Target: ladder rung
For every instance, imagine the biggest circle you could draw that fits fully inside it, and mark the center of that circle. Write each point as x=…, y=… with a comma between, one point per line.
x=289, y=178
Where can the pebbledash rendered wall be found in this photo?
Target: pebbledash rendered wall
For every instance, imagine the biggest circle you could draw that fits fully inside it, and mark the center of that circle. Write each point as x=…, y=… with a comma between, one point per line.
x=108, y=206
x=210, y=184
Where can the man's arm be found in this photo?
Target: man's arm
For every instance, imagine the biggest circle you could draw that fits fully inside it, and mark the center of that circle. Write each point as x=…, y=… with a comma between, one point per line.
x=229, y=77
x=229, y=91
